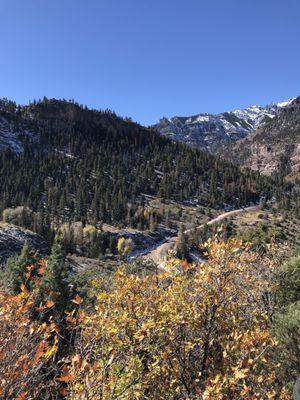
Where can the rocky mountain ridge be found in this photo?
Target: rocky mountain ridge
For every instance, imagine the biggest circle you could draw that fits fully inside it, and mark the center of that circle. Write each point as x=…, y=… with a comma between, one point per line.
x=211, y=131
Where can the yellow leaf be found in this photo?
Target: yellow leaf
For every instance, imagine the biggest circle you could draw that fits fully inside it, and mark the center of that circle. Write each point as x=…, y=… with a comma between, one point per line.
x=41, y=327
x=50, y=351
x=240, y=374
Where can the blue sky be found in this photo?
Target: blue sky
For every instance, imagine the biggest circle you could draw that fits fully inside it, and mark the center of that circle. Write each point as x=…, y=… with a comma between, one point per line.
x=151, y=58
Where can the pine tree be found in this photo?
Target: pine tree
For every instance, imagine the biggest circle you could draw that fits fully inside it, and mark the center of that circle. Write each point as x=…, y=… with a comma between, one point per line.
x=182, y=245
x=56, y=278
x=16, y=268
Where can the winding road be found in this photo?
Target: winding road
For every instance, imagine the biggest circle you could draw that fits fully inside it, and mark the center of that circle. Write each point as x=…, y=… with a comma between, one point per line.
x=159, y=254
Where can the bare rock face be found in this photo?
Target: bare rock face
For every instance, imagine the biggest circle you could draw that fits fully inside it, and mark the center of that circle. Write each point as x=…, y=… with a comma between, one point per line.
x=12, y=239
x=274, y=147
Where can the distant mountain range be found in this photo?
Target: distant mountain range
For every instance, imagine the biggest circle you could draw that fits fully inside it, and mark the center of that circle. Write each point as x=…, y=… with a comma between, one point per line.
x=211, y=131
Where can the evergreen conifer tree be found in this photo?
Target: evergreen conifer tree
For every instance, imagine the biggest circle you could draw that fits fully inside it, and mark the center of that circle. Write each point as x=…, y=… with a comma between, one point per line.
x=16, y=268
x=56, y=278
x=182, y=245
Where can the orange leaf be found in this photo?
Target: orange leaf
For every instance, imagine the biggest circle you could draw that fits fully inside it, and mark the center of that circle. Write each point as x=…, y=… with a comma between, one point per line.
x=68, y=377
x=70, y=319
x=41, y=270
x=23, y=288
x=50, y=304
x=21, y=396
x=77, y=300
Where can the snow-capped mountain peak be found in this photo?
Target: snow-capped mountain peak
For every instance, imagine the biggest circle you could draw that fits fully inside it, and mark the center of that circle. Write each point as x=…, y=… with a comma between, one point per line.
x=286, y=103
x=209, y=131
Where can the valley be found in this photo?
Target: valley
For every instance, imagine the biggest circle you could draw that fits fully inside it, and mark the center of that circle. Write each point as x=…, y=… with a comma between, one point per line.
x=149, y=200
x=144, y=240
x=93, y=196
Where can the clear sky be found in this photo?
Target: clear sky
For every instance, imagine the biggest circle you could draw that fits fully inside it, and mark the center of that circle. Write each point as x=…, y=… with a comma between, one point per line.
x=151, y=58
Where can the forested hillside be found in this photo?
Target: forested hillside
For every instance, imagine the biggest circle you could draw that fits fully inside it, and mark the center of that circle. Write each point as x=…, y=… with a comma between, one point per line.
x=66, y=162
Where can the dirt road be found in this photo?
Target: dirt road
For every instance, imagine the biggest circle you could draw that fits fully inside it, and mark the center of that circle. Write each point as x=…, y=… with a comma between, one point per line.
x=160, y=254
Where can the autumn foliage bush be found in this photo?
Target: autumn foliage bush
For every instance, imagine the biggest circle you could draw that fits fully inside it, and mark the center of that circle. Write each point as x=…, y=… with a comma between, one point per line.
x=35, y=337
x=201, y=334
x=27, y=346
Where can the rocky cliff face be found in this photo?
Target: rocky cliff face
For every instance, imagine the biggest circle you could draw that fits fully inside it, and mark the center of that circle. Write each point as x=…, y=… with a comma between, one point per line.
x=12, y=239
x=274, y=147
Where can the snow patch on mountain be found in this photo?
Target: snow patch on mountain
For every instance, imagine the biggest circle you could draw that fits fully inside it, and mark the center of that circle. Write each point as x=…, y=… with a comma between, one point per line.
x=286, y=103
x=209, y=131
x=12, y=137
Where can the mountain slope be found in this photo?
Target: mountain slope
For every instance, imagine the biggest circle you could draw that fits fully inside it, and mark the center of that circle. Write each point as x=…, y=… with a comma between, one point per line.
x=274, y=148
x=210, y=132
x=68, y=163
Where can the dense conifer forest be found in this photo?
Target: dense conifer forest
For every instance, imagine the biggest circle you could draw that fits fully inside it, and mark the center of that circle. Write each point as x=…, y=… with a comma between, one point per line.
x=88, y=165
